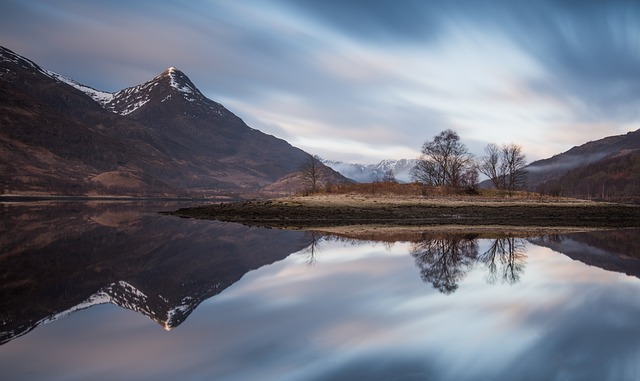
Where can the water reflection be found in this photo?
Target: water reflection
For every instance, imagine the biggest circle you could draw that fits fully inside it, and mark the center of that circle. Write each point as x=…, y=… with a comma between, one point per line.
x=505, y=260
x=58, y=258
x=337, y=309
x=444, y=261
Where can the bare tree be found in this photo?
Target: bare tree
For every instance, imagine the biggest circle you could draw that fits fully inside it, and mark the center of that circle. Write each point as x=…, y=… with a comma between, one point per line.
x=312, y=173
x=504, y=165
x=444, y=161
x=491, y=165
x=515, y=161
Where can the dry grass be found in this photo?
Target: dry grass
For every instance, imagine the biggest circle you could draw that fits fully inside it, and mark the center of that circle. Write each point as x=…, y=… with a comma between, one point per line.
x=365, y=200
x=392, y=193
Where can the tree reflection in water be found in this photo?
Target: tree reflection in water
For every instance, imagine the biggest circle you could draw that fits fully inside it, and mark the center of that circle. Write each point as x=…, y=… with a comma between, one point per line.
x=505, y=259
x=445, y=260
x=312, y=249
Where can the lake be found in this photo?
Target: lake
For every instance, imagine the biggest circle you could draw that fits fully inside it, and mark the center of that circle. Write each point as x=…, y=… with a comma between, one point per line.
x=116, y=291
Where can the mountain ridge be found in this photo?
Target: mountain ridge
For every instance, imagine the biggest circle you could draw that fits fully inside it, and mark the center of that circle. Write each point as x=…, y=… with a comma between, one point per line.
x=161, y=138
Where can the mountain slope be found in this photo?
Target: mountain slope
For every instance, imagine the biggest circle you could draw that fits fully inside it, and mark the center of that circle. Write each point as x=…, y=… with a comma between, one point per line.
x=215, y=137
x=542, y=171
x=160, y=138
x=614, y=178
x=55, y=139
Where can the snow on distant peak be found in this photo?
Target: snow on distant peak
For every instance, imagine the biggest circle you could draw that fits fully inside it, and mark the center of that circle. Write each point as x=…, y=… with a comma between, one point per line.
x=372, y=172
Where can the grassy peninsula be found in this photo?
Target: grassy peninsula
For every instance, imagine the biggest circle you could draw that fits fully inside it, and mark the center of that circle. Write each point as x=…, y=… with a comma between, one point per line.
x=361, y=213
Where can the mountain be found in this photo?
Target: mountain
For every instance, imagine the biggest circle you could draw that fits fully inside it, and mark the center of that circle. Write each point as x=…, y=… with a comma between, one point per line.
x=160, y=138
x=365, y=173
x=605, y=168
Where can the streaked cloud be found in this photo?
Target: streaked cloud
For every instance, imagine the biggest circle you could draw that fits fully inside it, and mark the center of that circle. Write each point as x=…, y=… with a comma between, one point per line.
x=360, y=80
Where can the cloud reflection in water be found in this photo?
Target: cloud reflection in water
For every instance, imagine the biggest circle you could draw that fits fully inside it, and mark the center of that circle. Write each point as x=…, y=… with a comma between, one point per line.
x=362, y=311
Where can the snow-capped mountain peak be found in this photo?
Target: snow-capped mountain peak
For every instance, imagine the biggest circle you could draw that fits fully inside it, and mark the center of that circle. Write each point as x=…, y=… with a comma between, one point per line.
x=169, y=86
x=180, y=82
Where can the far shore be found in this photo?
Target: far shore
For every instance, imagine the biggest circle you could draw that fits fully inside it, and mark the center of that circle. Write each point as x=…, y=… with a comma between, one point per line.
x=27, y=198
x=359, y=215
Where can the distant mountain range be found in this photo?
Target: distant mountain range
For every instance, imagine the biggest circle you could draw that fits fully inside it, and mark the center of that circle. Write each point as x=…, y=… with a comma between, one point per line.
x=364, y=173
x=160, y=138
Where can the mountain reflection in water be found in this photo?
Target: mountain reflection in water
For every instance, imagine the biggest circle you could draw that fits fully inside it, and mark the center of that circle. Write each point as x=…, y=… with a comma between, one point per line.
x=62, y=257
x=285, y=305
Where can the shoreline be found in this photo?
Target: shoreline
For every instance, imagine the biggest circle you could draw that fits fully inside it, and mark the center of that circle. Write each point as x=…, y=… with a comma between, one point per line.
x=386, y=233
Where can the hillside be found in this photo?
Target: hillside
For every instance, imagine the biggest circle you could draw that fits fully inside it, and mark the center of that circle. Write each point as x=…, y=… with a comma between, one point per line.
x=546, y=175
x=160, y=138
x=615, y=178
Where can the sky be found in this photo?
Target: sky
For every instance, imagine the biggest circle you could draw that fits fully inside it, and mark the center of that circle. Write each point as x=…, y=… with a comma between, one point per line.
x=363, y=80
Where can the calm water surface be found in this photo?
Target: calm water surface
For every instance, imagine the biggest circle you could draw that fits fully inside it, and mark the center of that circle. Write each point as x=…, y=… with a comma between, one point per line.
x=106, y=291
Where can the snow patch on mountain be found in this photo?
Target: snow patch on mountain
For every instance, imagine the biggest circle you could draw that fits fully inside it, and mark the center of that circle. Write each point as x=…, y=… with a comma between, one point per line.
x=101, y=97
x=181, y=87
x=99, y=297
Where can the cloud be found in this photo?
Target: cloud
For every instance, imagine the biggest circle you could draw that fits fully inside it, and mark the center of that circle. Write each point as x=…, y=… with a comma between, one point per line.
x=375, y=72
x=377, y=20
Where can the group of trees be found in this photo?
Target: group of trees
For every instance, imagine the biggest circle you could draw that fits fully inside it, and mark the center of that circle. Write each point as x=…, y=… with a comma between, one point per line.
x=504, y=166
x=446, y=161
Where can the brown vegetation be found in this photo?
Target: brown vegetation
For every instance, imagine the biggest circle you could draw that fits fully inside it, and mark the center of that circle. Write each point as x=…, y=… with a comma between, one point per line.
x=418, y=189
